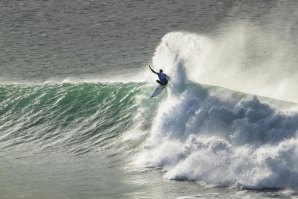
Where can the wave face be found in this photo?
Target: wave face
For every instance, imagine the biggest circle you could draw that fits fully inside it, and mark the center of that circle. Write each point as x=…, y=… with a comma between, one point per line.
x=193, y=132
x=217, y=136
x=71, y=117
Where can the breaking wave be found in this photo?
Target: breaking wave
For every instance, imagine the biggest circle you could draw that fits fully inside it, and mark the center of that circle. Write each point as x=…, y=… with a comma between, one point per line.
x=216, y=136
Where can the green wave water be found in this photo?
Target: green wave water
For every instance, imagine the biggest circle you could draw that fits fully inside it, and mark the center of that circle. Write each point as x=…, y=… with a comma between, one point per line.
x=75, y=117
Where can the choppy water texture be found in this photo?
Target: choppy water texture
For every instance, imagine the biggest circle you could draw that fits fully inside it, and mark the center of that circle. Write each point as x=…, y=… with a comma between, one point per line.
x=76, y=119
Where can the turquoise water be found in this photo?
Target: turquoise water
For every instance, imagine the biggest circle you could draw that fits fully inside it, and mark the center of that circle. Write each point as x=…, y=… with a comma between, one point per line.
x=66, y=114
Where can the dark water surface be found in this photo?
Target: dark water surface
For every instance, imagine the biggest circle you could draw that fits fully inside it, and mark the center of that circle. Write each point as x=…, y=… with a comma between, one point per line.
x=42, y=40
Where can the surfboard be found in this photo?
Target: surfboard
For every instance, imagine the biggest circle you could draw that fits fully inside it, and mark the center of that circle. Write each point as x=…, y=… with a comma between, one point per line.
x=158, y=90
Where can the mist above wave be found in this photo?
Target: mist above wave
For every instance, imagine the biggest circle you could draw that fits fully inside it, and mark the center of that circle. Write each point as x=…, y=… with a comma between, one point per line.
x=243, y=57
x=219, y=139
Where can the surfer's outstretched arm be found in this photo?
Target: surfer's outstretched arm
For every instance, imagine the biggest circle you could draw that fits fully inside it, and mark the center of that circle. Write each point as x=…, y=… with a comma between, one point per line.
x=152, y=70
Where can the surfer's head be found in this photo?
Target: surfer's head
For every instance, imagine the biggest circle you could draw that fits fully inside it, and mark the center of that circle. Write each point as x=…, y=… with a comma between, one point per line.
x=160, y=70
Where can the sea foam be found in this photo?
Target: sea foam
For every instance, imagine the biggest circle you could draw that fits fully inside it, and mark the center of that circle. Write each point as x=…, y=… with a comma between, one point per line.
x=199, y=134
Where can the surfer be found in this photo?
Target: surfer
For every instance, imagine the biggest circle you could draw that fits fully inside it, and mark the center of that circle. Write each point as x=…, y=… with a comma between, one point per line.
x=163, y=78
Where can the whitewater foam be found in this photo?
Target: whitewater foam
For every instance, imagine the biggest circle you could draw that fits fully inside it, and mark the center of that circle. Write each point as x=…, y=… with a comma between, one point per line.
x=200, y=137
x=222, y=140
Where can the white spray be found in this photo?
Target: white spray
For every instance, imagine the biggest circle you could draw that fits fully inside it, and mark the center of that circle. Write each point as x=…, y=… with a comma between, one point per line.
x=200, y=135
x=244, y=57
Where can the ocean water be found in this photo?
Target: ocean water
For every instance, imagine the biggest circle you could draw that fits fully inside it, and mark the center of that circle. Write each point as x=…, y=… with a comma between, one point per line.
x=77, y=120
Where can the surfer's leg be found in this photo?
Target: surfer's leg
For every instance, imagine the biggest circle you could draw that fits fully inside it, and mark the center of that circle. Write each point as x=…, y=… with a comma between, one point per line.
x=166, y=82
x=163, y=83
